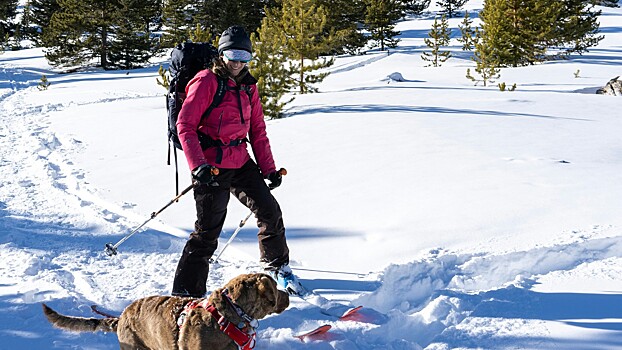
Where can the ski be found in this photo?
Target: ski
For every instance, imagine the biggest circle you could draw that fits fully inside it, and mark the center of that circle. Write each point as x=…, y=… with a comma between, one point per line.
x=314, y=333
x=351, y=314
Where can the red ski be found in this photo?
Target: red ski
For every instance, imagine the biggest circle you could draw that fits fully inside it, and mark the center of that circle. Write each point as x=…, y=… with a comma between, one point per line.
x=316, y=332
x=351, y=314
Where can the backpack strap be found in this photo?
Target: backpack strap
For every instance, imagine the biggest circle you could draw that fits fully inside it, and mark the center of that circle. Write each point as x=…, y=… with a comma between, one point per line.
x=221, y=90
x=207, y=141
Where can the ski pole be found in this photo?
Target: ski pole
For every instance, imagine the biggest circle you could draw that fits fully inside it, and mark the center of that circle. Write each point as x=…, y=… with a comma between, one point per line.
x=111, y=249
x=283, y=172
x=235, y=233
x=357, y=274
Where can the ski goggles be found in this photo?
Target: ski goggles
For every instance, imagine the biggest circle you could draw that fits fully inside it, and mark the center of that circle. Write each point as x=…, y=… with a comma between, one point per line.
x=237, y=55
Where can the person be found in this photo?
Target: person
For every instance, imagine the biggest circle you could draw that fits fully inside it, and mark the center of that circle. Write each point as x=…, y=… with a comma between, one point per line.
x=236, y=121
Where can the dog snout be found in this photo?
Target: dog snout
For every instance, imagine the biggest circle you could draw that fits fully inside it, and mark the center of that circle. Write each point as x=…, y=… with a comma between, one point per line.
x=282, y=301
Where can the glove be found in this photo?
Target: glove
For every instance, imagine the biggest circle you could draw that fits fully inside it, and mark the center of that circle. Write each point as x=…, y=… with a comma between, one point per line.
x=205, y=174
x=275, y=179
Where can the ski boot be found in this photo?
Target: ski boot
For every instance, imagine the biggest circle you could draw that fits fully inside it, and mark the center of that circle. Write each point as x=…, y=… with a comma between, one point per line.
x=287, y=281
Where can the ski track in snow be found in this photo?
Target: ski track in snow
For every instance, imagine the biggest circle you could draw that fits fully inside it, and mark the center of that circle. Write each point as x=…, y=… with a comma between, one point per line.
x=49, y=198
x=424, y=304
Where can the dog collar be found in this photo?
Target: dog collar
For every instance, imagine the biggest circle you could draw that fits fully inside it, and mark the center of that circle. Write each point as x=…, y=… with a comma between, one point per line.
x=244, y=334
x=245, y=338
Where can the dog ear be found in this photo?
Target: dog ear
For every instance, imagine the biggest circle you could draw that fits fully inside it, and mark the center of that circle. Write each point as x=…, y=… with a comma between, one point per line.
x=217, y=300
x=279, y=300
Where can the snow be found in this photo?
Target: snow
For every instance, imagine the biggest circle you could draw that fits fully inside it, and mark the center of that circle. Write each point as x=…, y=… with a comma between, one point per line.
x=460, y=216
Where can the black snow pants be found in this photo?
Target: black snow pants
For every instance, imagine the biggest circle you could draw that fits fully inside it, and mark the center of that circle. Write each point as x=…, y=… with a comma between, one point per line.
x=249, y=187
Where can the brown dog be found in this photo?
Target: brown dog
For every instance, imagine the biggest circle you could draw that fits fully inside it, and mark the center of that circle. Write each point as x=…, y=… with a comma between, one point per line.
x=152, y=322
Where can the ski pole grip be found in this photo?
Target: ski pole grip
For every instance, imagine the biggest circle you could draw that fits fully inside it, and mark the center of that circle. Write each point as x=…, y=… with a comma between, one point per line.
x=283, y=171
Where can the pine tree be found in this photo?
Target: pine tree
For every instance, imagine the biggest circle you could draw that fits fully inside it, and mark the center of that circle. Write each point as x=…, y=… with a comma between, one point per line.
x=24, y=30
x=516, y=29
x=177, y=18
x=414, y=7
x=8, y=10
x=116, y=32
x=218, y=15
x=81, y=31
x=166, y=78
x=200, y=35
x=607, y=3
x=147, y=14
x=467, y=33
x=380, y=21
x=41, y=14
x=576, y=27
x=63, y=38
x=132, y=45
x=485, y=61
x=342, y=21
x=274, y=78
x=43, y=83
x=523, y=32
x=437, y=37
x=451, y=7
x=302, y=23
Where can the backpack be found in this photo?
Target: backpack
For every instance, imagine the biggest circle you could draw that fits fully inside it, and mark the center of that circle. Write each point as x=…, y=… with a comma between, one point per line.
x=187, y=59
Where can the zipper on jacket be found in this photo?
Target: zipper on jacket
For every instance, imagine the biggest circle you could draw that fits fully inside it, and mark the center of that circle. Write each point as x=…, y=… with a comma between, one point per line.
x=219, y=123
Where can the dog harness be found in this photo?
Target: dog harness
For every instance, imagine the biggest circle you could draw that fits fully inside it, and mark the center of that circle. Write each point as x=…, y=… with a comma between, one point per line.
x=243, y=335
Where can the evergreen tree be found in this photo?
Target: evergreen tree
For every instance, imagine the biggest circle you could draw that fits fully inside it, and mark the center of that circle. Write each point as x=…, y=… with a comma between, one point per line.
x=302, y=23
x=486, y=65
x=44, y=84
x=516, y=29
x=8, y=10
x=451, y=7
x=273, y=77
x=201, y=35
x=81, y=31
x=523, y=32
x=342, y=21
x=414, y=7
x=165, y=74
x=380, y=21
x=467, y=33
x=218, y=15
x=41, y=12
x=177, y=17
x=132, y=45
x=576, y=27
x=116, y=32
x=607, y=3
x=147, y=14
x=23, y=29
x=437, y=37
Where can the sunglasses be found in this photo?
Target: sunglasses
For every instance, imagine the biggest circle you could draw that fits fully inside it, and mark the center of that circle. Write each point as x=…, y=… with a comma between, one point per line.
x=237, y=56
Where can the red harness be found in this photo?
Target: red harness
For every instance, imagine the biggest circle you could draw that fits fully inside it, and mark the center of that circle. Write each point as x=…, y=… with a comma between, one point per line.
x=243, y=335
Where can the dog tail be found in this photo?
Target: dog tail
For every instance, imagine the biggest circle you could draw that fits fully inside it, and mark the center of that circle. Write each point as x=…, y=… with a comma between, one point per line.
x=80, y=324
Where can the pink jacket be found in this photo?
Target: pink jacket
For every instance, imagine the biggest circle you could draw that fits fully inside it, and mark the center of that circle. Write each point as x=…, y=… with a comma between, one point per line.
x=224, y=124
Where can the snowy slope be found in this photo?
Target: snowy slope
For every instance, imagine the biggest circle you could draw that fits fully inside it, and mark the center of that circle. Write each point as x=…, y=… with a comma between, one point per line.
x=459, y=215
